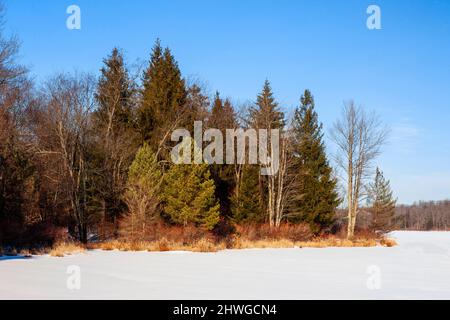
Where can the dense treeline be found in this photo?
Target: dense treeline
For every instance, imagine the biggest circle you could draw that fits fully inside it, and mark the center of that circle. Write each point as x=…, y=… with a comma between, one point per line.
x=88, y=157
x=431, y=215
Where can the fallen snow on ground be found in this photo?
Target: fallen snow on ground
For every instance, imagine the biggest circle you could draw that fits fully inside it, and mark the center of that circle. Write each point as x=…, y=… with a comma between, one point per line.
x=418, y=268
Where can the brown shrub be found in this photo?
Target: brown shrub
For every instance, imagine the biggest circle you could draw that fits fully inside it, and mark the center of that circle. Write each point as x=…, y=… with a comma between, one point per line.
x=156, y=231
x=366, y=234
x=163, y=245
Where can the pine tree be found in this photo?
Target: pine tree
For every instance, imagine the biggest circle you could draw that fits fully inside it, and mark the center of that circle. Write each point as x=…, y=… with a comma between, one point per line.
x=114, y=94
x=189, y=195
x=382, y=203
x=315, y=199
x=266, y=113
x=246, y=204
x=113, y=129
x=143, y=191
x=163, y=99
x=223, y=117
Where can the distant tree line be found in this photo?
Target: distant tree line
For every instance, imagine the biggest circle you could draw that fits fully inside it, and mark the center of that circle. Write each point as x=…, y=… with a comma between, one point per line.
x=91, y=156
x=424, y=215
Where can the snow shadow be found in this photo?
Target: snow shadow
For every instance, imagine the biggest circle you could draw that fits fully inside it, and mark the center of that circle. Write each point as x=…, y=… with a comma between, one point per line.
x=18, y=257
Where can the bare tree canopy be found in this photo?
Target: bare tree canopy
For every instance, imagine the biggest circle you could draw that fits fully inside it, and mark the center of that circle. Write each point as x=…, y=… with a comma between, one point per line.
x=359, y=137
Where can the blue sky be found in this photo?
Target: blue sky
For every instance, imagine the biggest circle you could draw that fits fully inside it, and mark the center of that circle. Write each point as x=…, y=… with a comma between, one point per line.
x=402, y=71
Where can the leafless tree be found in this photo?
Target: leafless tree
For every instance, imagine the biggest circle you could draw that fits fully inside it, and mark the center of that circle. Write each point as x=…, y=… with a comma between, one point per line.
x=69, y=101
x=284, y=181
x=359, y=137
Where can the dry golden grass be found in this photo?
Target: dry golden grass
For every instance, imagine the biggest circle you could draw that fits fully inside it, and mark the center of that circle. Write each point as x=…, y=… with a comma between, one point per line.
x=202, y=245
x=337, y=243
x=207, y=245
x=62, y=249
x=388, y=243
x=262, y=244
x=160, y=238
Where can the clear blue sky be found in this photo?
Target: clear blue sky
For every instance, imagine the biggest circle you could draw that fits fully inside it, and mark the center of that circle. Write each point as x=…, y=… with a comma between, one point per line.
x=401, y=71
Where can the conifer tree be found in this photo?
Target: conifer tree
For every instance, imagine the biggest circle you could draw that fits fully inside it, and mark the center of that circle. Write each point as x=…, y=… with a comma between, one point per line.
x=189, y=195
x=163, y=100
x=114, y=94
x=315, y=196
x=266, y=114
x=143, y=191
x=246, y=205
x=382, y=203
x=223, y=117
x=113, y=128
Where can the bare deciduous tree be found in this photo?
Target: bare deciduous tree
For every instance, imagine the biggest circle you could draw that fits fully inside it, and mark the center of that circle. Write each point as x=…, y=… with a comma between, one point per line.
x=359, y=137
x=284, y=181
x=69, y=101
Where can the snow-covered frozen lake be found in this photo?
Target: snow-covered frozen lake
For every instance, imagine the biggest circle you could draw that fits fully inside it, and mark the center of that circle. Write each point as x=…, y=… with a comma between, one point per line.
x=419, y=268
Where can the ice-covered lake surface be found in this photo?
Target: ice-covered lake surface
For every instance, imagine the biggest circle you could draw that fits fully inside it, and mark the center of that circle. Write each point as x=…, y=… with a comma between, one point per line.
x=418, y=268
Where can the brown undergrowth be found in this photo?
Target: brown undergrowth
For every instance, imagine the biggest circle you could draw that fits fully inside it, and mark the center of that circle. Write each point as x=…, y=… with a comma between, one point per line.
x=160, y=238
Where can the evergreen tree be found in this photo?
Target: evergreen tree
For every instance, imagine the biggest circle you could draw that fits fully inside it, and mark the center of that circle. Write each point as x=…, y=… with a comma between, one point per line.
x=115, y=137
x=163, y=100
x=223, y=117
x=266, y=113
x=114, y=94
x=189, y=195
x=382, y=203
x=143, y=190
x=315, y=196
x=246, y=205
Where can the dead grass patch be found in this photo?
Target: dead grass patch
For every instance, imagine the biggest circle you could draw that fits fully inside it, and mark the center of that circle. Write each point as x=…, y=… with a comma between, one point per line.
x=332, y=242
x=262, y=244
x=175, y=238
x=388, y=242
x=63, y=249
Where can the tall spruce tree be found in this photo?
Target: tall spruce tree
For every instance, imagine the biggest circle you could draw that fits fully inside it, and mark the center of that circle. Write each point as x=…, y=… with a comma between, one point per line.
x=114, y=95
x=382, y=203
x=116, y=141
x=223, y=117
x=266, y=113
x=315, y=196
x=163, y=102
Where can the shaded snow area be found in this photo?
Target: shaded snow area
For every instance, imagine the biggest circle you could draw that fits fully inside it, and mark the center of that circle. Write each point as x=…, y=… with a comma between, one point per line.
x=418, y=268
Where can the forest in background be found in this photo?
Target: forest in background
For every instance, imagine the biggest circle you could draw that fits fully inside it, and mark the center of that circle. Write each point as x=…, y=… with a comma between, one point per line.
x=87, y=158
